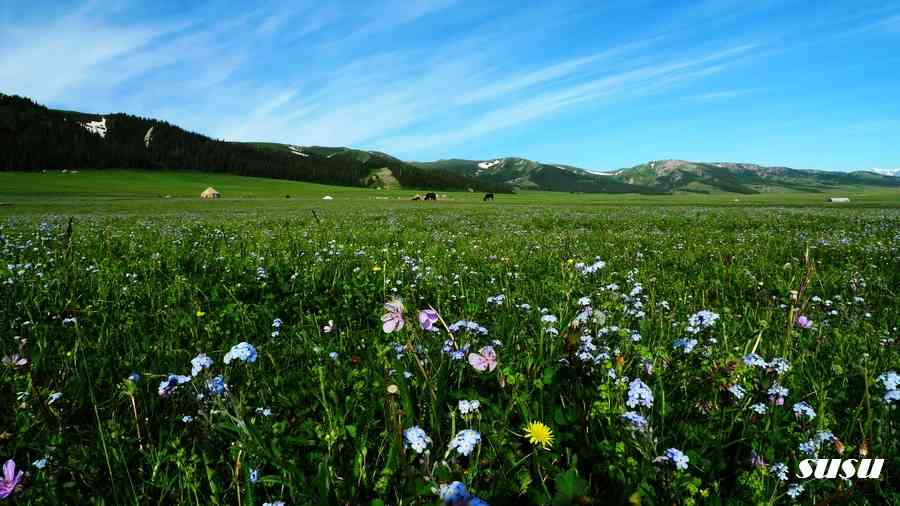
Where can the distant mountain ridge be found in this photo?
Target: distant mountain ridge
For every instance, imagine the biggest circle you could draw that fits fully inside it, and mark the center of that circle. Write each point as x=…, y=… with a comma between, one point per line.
x=887, y=172
x=526, y=174
x=660, y=176
x=33, y=137
x=747, y=178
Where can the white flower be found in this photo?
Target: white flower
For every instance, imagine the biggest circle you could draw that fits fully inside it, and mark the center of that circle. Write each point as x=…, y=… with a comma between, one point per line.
x=780, y=470
x=465, y=441
x=794, y=490
x=416, y=438
x=466, y=407
x=803, y=409
x=737, y=391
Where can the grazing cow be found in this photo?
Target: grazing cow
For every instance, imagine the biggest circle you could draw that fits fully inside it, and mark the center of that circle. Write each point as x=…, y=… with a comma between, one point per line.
x=488, y=196
x=431, y=196
x=417, y=198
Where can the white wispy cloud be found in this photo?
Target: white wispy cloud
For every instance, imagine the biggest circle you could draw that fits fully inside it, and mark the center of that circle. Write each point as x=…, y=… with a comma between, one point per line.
x=48, y=62
x=646, y=79
x=713, y=96
x=397, y=75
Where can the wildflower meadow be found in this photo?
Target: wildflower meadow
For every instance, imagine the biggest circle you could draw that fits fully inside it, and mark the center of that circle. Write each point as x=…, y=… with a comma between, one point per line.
x=465, y=356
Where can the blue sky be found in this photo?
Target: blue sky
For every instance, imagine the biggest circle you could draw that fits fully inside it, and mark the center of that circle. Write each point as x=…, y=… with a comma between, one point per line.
x=596, y=84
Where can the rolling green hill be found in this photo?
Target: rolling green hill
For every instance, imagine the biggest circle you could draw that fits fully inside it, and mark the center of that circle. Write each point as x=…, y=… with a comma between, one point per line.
x=34, y=138
x=530, y=175
x=745, y=178
x=384, y=171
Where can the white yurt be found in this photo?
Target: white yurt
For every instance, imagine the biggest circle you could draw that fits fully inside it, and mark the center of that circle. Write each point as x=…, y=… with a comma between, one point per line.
x=210, y=193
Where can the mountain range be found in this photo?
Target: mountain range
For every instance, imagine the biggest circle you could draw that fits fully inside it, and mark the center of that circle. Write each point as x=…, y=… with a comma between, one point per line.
x=661, y=176
x=33, y=137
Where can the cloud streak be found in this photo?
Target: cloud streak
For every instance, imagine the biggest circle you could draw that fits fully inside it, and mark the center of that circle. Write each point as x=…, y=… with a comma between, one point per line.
x=408, y=77
x=636, y=82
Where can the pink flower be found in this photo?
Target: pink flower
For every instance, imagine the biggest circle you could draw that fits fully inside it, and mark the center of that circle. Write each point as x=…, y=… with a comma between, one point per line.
x=393, y=320
x=15, y=361
x=427, y=319
x=804, y=322
x=10, y=479
x=484, y=360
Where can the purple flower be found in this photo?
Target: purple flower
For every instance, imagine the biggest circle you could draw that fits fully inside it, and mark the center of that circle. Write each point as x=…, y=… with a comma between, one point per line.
x=10, y=479
x=675, y=457
x=803, y=322
x=393, y=319
x=427, y=319
x=168, y=386
x=701, y=320
x=463, y=325
x=756, y=460
x=639, y=394
x=199, y=363
x=636, y=420
x=777, y=393
x=685, y=345
x=243, y=351
x=15, y=361
x=454, y=493
x=217, y=386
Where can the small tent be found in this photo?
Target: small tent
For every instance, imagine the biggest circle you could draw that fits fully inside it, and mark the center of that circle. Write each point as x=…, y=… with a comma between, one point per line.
x=838, y=200
x=210, y=193
x=327, y=197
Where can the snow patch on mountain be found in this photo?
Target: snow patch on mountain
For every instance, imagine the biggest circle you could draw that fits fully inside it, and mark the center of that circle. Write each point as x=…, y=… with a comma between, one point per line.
x=887, y=172
x=489, y=164
x=96, y=127
x=297, y=150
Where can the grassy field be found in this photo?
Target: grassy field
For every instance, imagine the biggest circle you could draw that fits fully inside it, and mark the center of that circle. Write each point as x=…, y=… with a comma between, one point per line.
x=671, y=350
x=89, y=192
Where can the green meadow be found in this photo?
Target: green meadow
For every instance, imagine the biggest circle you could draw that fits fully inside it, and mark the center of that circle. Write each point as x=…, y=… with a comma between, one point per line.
x=132, y=191
x=545, y=348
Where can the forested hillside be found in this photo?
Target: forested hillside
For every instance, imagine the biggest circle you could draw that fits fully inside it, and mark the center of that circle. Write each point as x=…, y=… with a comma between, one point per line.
x=34, y=137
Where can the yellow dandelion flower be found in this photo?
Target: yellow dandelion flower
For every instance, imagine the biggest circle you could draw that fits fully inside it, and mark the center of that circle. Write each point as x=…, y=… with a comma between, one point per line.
x=376, y=268
x=200, y=314
x=539, y=434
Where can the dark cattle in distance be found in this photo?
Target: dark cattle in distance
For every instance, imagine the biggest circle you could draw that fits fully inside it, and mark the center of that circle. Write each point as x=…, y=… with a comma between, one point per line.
x=488, y=196
x=417, y=198
x=431, y=196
